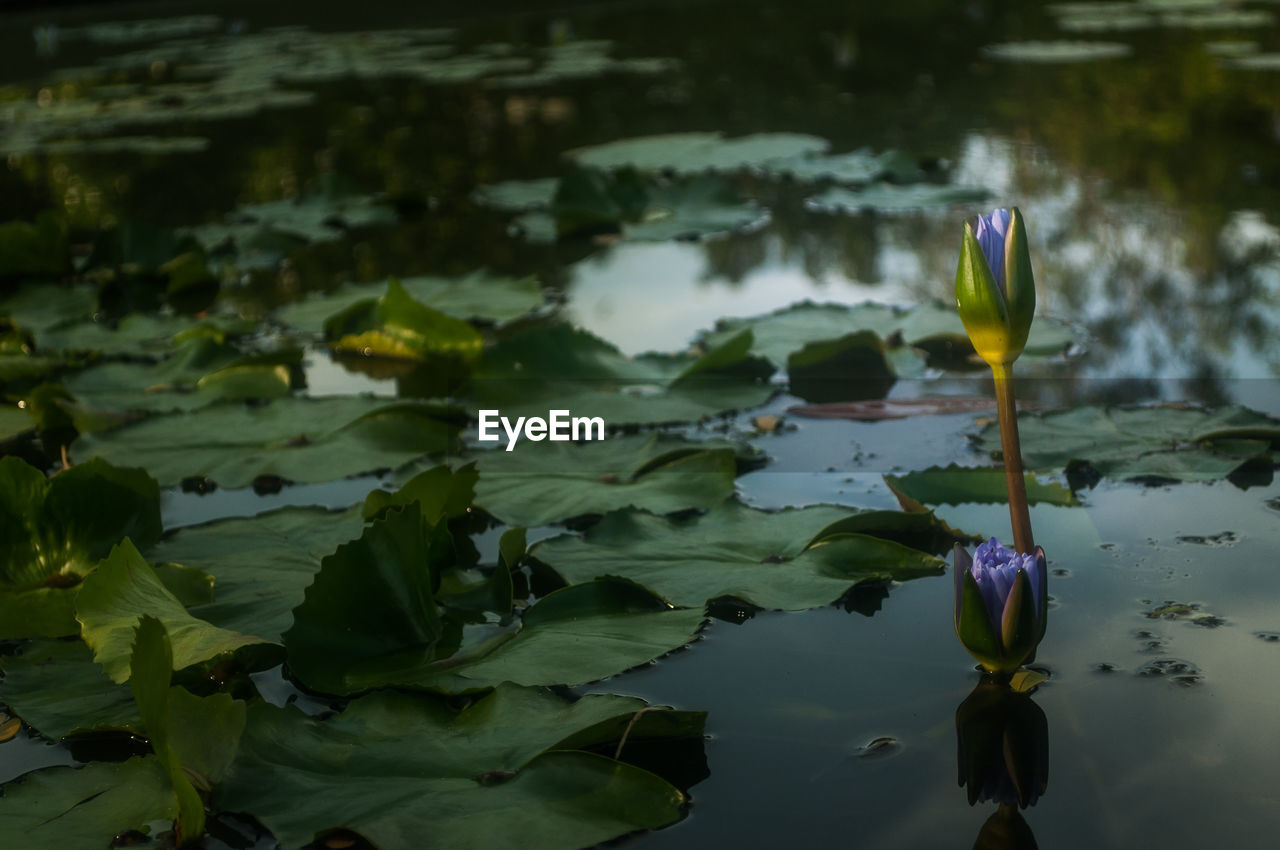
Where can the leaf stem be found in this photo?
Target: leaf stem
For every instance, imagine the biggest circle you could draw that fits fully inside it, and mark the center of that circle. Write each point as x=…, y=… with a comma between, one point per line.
x=1014, y=479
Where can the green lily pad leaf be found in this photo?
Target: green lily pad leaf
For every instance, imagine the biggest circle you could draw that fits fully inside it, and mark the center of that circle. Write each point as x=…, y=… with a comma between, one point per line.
x=150, y=669
x=691, y=153
x=854, y=168
x=122, y=588
x=57, y=689
x=1165, y=442
x=499, y=767
x=575, y=635
x=203, y=369
x=378, y=590
x=439, y=492
x=958, y=485
x=480, y=296
x=27, y=369
x=306, y=440
x=34, y=250
x=590, y=203
x=33, y=307
x=397, y=326
x=792, y=559
x=854, y=366
x=517, y=195
x=577, y=60
x=53, y=531
x=320, y=216
x=931, y=326
x=60, y=807
x=138, y=334
x=562, y=368
x=1056, y=51
x=147, y=29
x=372, y=606
x=1255, y=62
x=14, y=421
x=891, y=198
x=544, y=483
x=261, y=565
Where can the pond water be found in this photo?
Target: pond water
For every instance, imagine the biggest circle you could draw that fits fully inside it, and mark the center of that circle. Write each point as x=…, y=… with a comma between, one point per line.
x=1148, y=171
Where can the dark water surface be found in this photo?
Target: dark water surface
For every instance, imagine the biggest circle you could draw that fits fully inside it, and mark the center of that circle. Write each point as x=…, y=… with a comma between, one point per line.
x=1151, y=186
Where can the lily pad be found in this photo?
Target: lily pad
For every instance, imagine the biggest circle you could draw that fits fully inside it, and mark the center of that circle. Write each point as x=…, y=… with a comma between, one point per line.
x=124, y=587
x=480, y=296
x=691, y=153
x=545, y=483
x=136, y=334
x=892, y=198
x=1052, y=52
x=1254, y=62
x=14, y=421
x=370, y=620
x=793, y=559
x=60, y=807
x=54, y=531
x=261, y=565
x=34, y=308
x=306, y=440
x=958, y=485
x=1168, y=442
x=57, y=689
x=503, y=766
x=932, y=326
x=854, y=168
x=202, y=370
x=399, y=327
x=563, y=368
x=587, y=203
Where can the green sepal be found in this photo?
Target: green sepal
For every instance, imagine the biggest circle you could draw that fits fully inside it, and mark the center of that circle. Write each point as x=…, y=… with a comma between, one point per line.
x=1019, y=283
x=974, y=628
x=978, y=299
x=1018, y=624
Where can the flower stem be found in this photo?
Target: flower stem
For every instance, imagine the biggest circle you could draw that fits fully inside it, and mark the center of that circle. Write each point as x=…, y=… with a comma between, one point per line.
x=1014, y=480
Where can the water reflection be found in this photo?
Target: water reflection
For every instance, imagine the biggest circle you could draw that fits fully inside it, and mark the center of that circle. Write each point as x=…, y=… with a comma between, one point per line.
x=1002, y=741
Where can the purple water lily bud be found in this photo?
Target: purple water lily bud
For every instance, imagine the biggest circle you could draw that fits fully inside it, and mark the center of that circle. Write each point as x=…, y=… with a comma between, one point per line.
x=991, y=231
x=1001, y=604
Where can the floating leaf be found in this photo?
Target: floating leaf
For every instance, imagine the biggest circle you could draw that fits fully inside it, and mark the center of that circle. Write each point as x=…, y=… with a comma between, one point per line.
x=262, y=565
x=36, y=250
x=544, y=483
x=124, y=587
x=891, y=198
x=931, y=326
x=793, y=559
x=57, y=689
x=1056, y=51
x=34, y=307
x=497, y=768
x=690, y=153
x=958, y=485
x=562, y=368
x=855, y=365
x=61, y=807
x=853, y=168
x=307, y=440
x=54, y=531
x=481, y=296
x=14, y=421
x=397, y=326
x=1166, y=442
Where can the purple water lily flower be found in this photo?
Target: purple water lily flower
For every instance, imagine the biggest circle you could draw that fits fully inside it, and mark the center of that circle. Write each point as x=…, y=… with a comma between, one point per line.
x=1001, y=604
x=991, y=231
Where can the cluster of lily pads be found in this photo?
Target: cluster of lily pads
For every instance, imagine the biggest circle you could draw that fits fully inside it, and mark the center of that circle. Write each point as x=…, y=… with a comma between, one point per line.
x=410, y=659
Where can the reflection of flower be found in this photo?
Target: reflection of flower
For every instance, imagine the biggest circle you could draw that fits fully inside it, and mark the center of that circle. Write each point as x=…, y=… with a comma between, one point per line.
x=1005, y=830
x=1001, y=604
x=995, y=291
x=1003, y=743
